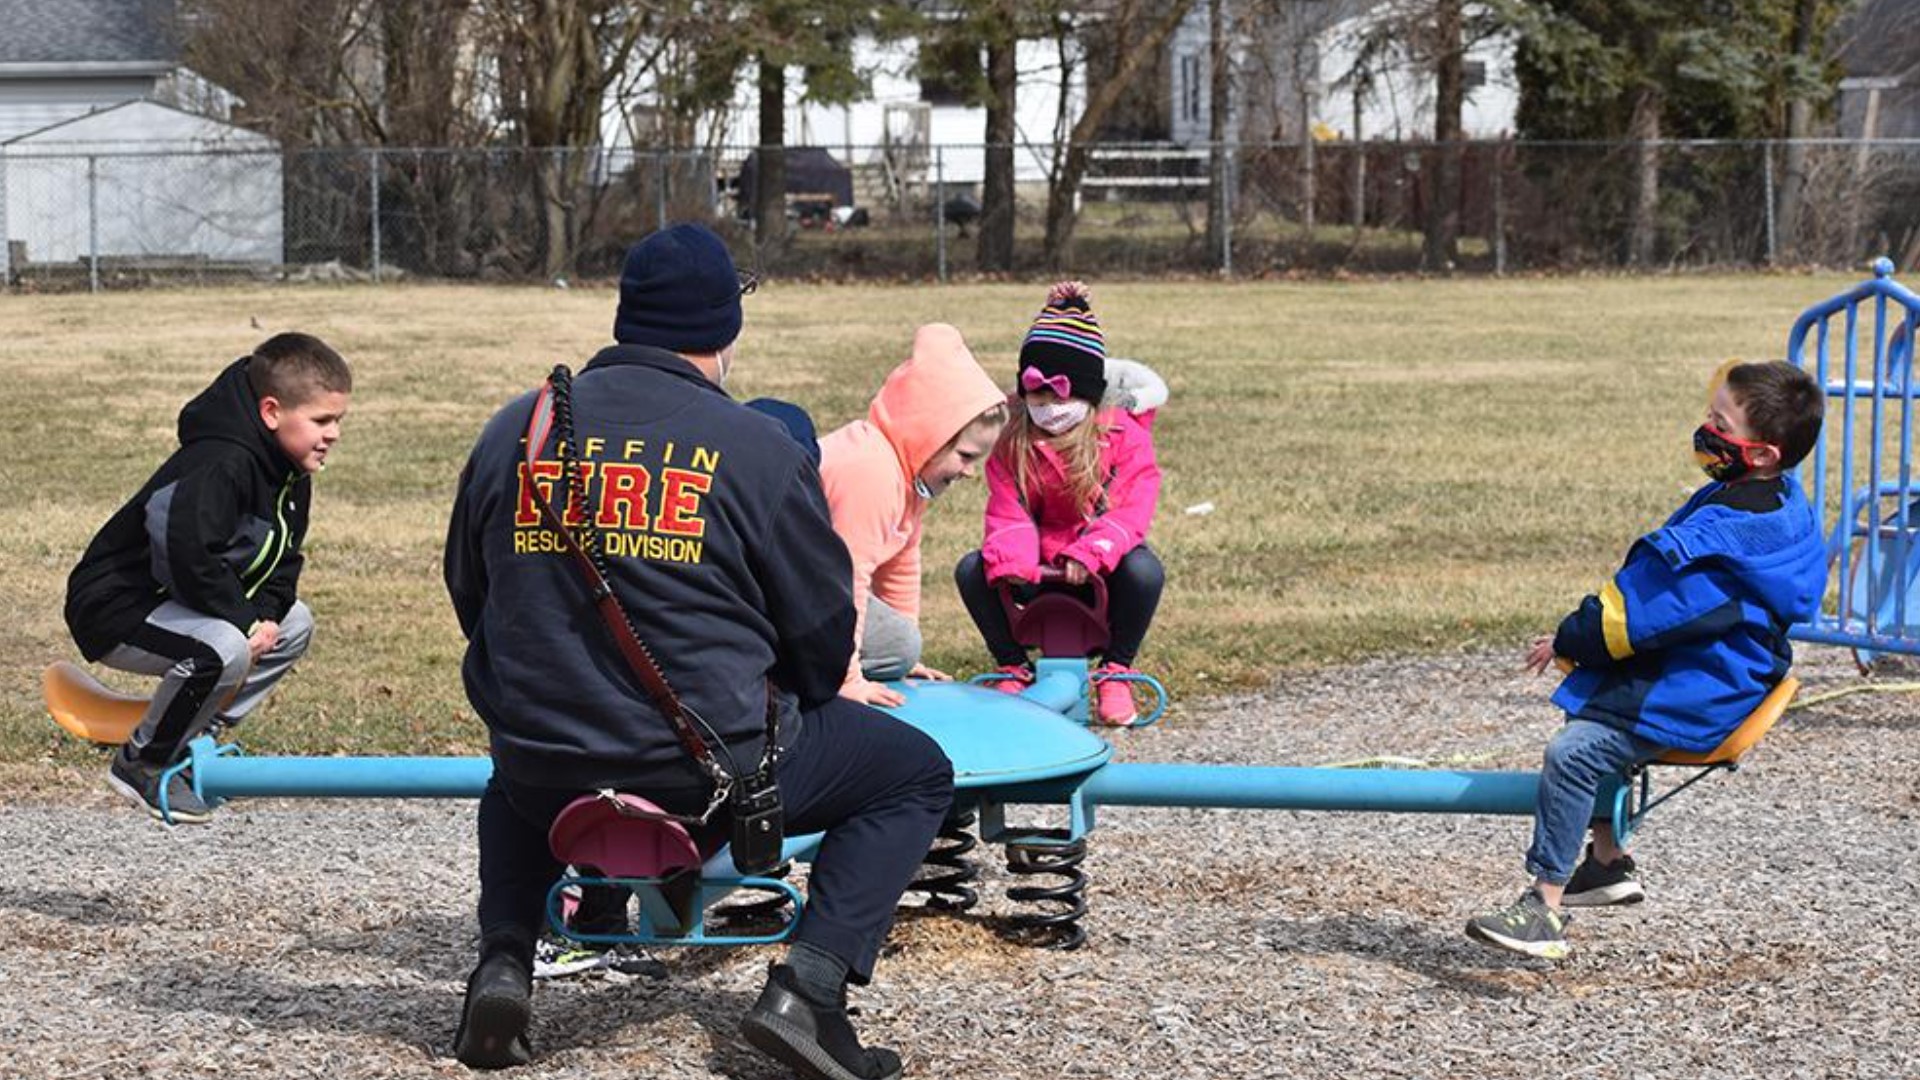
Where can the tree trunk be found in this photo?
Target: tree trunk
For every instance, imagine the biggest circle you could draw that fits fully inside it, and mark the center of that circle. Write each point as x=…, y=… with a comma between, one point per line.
x=1793, y=180
x=996, y=189
x=1218, y=103
x=1644, y=132
x=770, y=183
x=1064, y=193
x=549, y=165
x=1442, y=247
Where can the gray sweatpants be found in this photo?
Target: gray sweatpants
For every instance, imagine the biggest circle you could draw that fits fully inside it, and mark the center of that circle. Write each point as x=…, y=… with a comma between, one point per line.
x=201, y=661
x=889, y=643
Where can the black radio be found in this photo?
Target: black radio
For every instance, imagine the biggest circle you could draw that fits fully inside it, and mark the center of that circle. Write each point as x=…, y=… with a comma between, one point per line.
x=759, y=823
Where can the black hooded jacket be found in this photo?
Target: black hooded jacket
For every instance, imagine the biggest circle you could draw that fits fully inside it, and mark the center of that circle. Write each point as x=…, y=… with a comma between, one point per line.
x=217, y=528
x=719, y=545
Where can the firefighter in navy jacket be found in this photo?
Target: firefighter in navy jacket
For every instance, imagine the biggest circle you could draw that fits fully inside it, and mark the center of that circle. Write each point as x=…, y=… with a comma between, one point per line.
x=720, y=547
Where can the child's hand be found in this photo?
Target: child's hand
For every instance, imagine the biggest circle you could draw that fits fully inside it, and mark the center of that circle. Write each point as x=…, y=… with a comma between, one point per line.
x=1539, y=655
x=264, y=635
x=922, y=671
x=868, y=692
x=1066, y=290
x=1072, y=572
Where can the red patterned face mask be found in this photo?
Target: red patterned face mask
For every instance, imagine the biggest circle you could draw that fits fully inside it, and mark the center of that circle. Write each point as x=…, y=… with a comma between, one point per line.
x=1723, y=457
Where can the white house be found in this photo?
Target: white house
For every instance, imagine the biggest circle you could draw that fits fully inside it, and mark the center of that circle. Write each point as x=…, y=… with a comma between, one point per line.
x=921, y=116
x=1296, y=74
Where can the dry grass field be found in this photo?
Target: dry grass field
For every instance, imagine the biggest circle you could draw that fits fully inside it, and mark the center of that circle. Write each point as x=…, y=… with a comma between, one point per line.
x=1394, y=466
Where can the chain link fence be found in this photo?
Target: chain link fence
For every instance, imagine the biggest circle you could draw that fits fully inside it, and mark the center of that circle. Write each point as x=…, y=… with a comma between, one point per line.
x=110, y=220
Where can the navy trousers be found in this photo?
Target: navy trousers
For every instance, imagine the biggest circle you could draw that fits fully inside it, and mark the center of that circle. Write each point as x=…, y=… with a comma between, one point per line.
x=876, y=786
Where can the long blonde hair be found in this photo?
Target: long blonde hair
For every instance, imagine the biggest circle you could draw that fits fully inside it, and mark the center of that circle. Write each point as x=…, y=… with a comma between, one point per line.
x=1079, y=450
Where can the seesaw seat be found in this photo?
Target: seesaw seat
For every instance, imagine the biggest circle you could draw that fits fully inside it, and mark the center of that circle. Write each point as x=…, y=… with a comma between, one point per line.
x=1628, y=813
x=624, y=840
x=1746, y=736
x=1068, y=624
x=80, y=703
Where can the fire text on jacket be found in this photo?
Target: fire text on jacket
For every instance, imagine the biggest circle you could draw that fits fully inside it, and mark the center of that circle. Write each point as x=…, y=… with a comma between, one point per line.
x=640, y=510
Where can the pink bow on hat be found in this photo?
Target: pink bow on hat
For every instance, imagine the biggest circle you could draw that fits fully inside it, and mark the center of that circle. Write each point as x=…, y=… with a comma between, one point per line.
x=1031, y=380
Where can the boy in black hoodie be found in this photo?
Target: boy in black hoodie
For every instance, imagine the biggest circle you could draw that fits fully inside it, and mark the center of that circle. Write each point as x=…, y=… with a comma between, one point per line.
x=194, y=578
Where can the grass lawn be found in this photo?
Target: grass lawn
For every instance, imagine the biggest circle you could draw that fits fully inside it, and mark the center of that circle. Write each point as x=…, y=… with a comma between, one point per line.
x=1394, y=466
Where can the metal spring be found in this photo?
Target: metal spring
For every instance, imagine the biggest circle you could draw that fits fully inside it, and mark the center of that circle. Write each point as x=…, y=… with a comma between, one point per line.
x=946, y=873
x=1063, y=904
x=754, y=907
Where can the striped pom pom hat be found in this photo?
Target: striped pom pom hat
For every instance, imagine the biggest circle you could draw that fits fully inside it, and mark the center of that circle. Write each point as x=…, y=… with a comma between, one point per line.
x=1065, y=341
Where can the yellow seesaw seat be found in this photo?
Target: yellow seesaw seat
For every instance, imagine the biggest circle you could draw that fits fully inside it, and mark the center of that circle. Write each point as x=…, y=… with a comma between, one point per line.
x=1750, y=732
x=78, y=702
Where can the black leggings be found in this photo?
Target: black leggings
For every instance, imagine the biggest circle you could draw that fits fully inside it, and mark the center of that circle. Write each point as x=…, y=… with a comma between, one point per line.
x=1133, y=592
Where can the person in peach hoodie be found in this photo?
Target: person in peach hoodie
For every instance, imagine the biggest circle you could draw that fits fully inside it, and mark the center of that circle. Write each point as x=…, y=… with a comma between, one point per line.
x=934, y=421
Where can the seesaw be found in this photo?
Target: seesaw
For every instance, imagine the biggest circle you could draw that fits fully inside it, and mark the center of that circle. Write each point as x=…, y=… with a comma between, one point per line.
x=1008, y=751
x=1067, y=624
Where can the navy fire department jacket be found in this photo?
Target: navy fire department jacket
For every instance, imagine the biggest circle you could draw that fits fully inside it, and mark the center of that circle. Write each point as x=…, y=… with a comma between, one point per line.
x=1691, y=633
x=217, y=528
x=718, y=543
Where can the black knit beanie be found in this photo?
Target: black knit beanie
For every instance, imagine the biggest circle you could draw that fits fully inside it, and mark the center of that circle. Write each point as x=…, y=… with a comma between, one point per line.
x=679, y=291
x=1065, y=339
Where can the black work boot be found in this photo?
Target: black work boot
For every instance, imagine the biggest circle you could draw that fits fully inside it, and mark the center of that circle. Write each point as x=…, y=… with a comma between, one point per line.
x=813, y=1037
x=499, y=1005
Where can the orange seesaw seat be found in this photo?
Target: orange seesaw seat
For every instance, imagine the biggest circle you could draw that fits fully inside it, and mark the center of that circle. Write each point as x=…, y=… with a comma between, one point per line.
x=78, y=702
x=1750, y=732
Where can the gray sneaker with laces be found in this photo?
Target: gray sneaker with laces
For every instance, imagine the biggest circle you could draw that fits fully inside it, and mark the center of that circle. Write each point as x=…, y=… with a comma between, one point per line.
x=1527, y=926
x=139, y=782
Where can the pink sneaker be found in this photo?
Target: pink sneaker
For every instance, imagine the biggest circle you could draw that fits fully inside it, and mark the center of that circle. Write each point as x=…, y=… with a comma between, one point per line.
x=1113, y=698
x=1012, y=678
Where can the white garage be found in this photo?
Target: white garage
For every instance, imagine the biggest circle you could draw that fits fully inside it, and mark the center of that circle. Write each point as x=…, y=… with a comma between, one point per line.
x=141, y=181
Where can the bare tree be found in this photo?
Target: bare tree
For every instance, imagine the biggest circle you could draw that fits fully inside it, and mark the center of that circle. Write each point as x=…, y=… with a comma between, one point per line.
x=557, y=59
x=1219, y=101
x=1136, y=30
x=995, y=248
x=1442, y=247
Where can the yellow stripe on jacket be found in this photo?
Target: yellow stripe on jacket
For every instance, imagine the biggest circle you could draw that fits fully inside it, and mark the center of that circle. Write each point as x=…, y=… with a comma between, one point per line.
x=1613, y=621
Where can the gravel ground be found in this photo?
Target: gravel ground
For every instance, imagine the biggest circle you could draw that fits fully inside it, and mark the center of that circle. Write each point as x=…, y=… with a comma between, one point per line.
x=332, y=938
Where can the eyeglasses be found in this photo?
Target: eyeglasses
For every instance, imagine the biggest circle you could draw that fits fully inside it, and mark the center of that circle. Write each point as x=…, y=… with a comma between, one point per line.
x=749, y=281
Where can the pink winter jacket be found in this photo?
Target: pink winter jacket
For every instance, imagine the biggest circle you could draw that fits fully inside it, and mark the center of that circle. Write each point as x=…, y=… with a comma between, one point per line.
x=868, y=466
x=1020, y=538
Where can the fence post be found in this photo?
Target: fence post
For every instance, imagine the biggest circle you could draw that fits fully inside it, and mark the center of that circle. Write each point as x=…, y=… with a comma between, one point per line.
x=1308, y=187
x=93, y=223
x=373, y=206
x=1226, y=212
x=1500, y=209
x=1359, y=183
x=1767, y=176
x=940, y=210
x=6, y=246
x=660, y=188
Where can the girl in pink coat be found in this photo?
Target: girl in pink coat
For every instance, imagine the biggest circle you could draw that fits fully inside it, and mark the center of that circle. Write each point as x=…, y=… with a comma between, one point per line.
x=1071, y=486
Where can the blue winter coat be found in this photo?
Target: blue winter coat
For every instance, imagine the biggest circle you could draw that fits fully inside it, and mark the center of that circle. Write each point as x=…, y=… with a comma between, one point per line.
x=1691, y=633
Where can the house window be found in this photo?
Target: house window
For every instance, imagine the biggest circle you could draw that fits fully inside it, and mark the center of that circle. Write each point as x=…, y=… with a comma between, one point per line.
x=949, y=71
x=1190, y=87
x=1473, y=75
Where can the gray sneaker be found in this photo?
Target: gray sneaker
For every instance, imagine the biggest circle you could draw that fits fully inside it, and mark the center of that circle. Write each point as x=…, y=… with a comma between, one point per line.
x=139, y=781
x=1598, y=884
x=1527, y=926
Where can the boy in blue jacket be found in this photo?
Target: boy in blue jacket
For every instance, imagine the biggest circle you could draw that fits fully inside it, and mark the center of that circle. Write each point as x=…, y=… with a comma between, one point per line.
x=1679, y=647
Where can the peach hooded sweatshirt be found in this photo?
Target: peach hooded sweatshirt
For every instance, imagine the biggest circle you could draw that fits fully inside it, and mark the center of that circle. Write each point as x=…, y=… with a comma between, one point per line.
x=868, y=467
